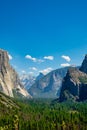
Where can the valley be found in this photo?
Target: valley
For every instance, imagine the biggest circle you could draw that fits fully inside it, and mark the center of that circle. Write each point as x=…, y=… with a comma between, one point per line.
x=56, y=101
x=43, y=114
x=43, y=64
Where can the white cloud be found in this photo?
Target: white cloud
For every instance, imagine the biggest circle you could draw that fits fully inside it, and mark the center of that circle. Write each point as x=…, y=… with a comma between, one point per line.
x=33, y=68
x=48, y=57
x=31, y=58
x=34, y=59
x=65, y=65
x=10, y=57
x=23, y=71
x=45, y=71
x=67, y=58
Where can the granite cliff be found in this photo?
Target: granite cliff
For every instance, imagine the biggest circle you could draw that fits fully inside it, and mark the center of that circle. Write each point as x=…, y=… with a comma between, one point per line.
x=74, y=86
x=9, y=80
x=48, y=86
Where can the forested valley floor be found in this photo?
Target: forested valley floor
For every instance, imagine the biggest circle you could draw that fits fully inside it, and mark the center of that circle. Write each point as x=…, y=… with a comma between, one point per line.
x=43, y=114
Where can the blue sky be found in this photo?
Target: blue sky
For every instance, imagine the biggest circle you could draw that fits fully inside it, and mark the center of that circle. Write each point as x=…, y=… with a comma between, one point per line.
x=42, y=28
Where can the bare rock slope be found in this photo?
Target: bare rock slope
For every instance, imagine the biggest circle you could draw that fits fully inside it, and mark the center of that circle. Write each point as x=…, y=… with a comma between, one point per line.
x=9, y=80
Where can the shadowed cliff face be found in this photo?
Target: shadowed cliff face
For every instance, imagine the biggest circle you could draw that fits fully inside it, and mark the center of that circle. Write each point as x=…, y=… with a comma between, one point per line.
x=83, y=67
x=74, y=86
x=9, y=80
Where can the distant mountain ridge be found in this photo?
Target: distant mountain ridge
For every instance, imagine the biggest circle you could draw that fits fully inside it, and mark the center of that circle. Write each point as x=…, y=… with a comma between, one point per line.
x=49, y=85
x=28, y=80
x=41, y=75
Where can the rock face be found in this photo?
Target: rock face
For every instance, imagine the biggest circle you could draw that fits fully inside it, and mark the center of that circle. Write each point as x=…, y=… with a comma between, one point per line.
x=41, y=75
x=74, y=86
x=48, y=86
x=83, y=67
x=9, y=80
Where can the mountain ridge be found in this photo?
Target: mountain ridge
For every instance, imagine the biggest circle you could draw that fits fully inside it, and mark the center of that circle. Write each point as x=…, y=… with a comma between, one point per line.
x=74, y=86
x=49, y=85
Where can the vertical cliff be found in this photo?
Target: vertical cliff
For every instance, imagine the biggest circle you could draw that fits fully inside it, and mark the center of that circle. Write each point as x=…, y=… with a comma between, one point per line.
x=74, y=86
x=83, y=67
x=9, y=80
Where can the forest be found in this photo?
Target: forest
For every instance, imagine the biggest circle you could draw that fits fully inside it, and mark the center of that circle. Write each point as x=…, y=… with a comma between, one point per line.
x=43, y=114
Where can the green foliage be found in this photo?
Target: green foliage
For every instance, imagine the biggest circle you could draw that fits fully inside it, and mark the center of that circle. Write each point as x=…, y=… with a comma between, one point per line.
x=83, y=79
x=44, y=115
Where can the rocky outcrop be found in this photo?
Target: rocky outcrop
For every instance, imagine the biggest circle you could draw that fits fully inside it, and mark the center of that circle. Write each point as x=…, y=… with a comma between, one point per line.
x=74, y=86
x=9, y=80
x=83, y=67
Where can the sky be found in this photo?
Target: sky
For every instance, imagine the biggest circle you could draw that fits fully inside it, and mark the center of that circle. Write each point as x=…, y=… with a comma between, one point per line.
x=43, y=35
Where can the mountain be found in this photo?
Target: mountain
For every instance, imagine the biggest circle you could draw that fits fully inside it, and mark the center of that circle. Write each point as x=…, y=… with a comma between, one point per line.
x=49, y=85
x=74, y=86
x=83, y=67
x=29, y=80
x=41, y=75
x=9, y=80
